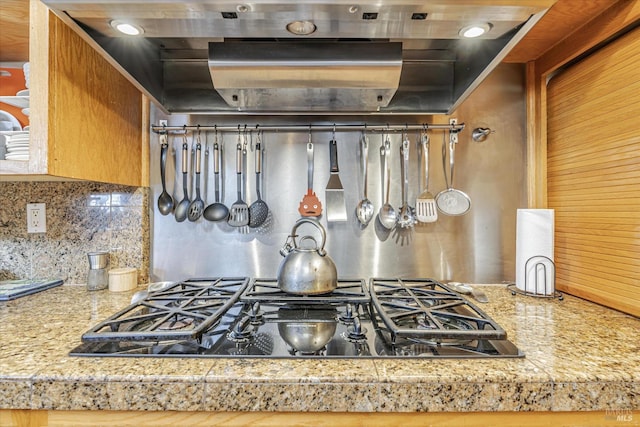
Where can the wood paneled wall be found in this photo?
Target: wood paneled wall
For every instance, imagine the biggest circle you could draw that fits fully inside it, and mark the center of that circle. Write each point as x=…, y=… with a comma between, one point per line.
x=593, y=174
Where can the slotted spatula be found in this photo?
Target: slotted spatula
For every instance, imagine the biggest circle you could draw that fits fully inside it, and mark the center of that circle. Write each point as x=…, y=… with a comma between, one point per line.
x=239, y=212
x=426, y=208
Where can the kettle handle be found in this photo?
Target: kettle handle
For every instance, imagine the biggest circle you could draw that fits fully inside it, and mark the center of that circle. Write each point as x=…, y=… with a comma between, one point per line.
x=315, y=223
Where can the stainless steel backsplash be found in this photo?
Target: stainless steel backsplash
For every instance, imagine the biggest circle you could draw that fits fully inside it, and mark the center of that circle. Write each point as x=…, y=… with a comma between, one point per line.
x=476, y=247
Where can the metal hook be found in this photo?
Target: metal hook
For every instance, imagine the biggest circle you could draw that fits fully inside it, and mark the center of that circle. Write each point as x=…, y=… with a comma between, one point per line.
x=244, y=145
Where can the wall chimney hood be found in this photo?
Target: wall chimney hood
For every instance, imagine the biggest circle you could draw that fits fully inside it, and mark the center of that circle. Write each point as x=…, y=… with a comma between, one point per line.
x=303, y=56
x=294, y=76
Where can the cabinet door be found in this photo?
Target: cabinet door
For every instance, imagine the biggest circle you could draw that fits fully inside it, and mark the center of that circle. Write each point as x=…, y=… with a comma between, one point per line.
x=593, y=174
x=95, y=129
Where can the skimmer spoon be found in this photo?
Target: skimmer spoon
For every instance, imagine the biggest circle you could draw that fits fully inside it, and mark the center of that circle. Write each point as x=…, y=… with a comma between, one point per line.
x=258, y=211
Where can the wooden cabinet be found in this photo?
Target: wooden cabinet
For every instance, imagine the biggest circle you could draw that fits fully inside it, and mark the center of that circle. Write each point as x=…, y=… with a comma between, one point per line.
x=583, y=161
x=86, y=120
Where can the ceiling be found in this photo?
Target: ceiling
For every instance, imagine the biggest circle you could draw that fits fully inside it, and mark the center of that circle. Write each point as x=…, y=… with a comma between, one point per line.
x=561, y=20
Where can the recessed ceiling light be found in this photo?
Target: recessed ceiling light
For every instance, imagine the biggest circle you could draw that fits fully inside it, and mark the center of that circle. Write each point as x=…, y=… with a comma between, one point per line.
x=127, y=28
x=476, y=30
x=301, y=28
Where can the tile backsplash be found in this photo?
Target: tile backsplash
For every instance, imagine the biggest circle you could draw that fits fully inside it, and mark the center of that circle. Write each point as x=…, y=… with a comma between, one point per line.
x=81, y=217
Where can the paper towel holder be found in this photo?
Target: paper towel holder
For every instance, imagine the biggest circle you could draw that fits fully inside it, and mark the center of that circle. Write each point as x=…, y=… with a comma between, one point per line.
x=540, y=261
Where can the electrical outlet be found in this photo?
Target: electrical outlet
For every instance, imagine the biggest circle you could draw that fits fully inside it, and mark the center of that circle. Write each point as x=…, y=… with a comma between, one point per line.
x=36, y=218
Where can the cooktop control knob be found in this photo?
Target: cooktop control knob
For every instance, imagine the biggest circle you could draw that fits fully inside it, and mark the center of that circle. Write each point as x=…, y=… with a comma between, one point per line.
x=241, y=332
x=256, y=315
x=348, y=315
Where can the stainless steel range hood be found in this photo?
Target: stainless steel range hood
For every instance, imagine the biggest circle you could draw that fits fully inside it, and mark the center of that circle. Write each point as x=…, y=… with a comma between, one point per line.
x=292, y=76
x=380, y=57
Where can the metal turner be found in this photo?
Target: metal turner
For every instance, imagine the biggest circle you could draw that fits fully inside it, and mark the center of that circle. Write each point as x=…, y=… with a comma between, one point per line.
x=426, y=208
x=239, y=211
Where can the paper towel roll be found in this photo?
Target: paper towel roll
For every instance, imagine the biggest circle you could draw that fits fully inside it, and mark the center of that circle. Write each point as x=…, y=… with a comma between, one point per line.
x=534, y=238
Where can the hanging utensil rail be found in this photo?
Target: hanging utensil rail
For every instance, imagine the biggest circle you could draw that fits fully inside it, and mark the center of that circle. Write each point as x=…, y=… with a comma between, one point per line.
x=378, y=128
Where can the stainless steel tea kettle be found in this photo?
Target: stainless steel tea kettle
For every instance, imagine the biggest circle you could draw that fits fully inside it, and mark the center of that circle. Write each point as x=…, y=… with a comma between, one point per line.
x=306, y=270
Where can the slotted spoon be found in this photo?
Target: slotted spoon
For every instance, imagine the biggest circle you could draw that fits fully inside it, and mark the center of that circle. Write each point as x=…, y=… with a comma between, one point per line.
x=426, y=208
x=406, y=217
x=197, y=205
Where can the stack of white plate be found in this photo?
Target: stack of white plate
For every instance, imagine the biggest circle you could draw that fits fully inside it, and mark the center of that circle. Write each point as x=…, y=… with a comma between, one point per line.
x=17, y=145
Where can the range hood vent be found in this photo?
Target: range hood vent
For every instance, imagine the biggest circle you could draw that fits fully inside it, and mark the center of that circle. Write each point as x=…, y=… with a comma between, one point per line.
x=295, y=76
x=304, y=57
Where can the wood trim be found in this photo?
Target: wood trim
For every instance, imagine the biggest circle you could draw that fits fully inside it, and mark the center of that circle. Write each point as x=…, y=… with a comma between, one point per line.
x=21, y=418
x=145, y=140
x=536, y=139
x=610, y=22
x=39, y=88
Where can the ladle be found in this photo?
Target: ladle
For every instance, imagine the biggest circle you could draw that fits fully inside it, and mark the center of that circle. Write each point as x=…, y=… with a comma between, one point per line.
x=197, y=205
x=364, y=210
x=216, y=211
x=387, y=215
x=165, y=201
x=183, y=207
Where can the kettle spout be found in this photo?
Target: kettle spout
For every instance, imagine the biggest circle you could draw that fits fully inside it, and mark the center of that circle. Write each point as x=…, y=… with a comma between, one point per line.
x=286, y=249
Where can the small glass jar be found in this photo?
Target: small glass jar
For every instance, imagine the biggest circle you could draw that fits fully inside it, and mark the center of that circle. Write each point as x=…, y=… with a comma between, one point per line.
x=98, y=277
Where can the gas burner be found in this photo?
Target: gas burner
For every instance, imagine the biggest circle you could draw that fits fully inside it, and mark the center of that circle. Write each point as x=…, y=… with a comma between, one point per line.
x=184, y=310
x=347, y=291
x=176, y=324
x=426, y=309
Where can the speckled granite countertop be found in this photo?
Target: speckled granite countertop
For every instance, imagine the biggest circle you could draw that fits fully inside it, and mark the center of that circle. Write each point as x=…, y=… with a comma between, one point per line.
x=579, y=357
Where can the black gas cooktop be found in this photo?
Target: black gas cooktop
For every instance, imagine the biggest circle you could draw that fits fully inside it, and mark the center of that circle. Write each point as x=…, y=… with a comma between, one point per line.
x=238, y=317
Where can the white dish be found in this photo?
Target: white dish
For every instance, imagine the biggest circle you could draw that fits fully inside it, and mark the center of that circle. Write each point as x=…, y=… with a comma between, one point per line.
x=18, y=144
x=8, y=117
x=10, y=156
x=14, y=132
x=18, y=150
x=18, y=139
x=23, y=92
x=15, y=101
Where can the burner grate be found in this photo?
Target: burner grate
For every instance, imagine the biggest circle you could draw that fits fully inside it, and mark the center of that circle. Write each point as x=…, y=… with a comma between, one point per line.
x=185, y=310
x=347, y=291
x=426, y=309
